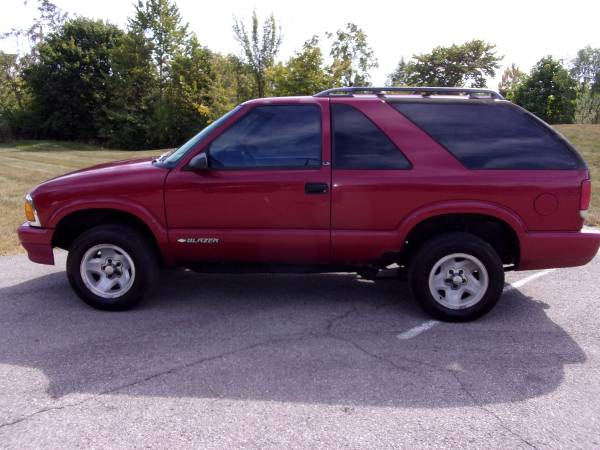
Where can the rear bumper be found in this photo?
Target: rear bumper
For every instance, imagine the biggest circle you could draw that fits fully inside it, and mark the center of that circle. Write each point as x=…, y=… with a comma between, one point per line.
x=38, y=243
x=544, y=250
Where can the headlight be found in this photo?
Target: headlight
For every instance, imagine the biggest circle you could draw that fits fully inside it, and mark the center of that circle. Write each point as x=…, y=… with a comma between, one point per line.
x=31, y=213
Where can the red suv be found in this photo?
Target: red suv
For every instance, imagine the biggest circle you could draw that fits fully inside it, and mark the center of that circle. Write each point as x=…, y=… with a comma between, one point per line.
x=455, y=185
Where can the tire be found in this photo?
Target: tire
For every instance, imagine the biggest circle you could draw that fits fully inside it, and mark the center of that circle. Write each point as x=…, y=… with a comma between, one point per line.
x=456, y=277
x=111, y=255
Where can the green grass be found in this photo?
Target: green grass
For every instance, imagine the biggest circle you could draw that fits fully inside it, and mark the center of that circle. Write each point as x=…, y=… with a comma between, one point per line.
x=23, y=164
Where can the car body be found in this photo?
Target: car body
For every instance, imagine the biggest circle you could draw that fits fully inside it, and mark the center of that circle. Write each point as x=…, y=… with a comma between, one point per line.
x=346, y=208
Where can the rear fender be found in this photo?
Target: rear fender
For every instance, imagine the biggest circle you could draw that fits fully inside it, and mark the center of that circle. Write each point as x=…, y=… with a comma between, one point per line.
x=461, y=207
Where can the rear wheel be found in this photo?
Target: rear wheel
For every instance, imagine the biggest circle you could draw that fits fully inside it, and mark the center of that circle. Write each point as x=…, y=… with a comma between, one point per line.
x=111, y=267
x=456, y=277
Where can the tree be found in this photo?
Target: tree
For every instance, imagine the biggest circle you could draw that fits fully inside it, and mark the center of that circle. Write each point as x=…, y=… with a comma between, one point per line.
x=398, y=77
x=160, y=22
x=11, y=85
x=457, y=65
x=587, y=106
x=189, y=102
x=129, y=107
x=67, y=82
x=303, y=74
x=232, y=83
x=549, y=92
x=352, y=56
x=511, y=78
x=585, y=68
x=259, y=48
x=11, y=94
x=14, y=107
x=50, y=18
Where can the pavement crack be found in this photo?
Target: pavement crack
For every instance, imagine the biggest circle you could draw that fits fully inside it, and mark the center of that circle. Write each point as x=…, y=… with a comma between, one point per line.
x=453, y=373
x=169, y=371
x=368, y=353
x=329, y=325
x=499, y=419
x=334, y=320
x=41, y=411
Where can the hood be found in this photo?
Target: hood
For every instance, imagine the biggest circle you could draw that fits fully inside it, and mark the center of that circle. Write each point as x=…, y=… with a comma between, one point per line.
x=135, y=182
x=100, y=174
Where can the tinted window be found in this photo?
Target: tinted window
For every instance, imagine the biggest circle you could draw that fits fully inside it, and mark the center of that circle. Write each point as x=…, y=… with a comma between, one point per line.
x=170, y=159
x=359, y=144
x=270, y=137
x=485, y=136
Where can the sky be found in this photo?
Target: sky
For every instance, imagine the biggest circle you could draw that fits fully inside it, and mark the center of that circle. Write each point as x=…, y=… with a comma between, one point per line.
x=523, y=30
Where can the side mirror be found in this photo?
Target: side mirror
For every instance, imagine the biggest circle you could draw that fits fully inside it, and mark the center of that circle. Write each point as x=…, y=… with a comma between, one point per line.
x=199, y=162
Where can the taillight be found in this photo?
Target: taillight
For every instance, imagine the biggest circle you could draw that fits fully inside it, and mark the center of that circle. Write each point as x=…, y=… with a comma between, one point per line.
x=586, y=196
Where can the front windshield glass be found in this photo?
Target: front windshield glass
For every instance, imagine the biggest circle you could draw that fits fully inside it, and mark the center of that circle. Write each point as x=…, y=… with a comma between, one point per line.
x=171, y=158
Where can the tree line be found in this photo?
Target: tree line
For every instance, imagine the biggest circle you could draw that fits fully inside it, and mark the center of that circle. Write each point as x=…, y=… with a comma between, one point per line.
x=153, y=84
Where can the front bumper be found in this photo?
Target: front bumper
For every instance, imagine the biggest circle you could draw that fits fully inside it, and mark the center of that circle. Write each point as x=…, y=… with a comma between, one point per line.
x=37, y=242
x=544, y=250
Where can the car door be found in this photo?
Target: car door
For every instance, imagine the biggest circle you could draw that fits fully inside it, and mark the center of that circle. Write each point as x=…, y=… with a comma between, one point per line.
x=371, y=178
x=265, y=196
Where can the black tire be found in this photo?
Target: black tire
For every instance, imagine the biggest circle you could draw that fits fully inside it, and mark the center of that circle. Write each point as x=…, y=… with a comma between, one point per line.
x=140, y=252
x=433, y=251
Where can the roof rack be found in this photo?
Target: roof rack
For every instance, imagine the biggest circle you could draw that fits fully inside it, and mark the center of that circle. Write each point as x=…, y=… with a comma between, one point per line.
x=473, y=93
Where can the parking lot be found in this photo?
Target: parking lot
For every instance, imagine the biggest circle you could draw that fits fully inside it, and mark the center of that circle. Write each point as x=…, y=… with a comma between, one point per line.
x=297, y=361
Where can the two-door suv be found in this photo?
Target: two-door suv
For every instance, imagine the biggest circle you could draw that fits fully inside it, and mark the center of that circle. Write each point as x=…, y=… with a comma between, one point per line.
x=456, y=185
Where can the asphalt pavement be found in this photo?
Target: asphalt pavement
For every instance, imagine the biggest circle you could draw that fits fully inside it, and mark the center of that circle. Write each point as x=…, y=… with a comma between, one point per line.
x=297, y=361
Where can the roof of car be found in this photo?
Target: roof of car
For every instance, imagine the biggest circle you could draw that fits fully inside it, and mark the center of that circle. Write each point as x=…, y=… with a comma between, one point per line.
x=421, y=91
x=442, y=94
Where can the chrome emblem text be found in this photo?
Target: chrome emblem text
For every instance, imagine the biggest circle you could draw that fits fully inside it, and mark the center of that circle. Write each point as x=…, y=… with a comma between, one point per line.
x=199, y=240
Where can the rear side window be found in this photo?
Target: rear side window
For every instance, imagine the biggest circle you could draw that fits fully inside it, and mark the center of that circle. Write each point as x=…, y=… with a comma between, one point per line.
x=485, y=136
x=270, y=137
x=359, y=144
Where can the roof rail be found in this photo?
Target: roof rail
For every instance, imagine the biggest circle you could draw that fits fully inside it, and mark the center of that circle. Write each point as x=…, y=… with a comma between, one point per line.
x=423, y=91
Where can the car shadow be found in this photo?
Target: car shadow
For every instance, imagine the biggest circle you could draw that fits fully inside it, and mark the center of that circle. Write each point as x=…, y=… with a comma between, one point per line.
x=330, y=339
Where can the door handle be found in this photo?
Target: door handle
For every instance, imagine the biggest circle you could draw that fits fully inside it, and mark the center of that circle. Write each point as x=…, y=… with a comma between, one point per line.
x=316, y=188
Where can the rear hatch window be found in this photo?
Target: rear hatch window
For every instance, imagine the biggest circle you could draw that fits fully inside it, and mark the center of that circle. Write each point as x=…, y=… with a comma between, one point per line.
x=492, y=136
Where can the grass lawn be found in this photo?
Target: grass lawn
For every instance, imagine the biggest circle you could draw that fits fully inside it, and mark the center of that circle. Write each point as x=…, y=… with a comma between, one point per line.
x=24, y=164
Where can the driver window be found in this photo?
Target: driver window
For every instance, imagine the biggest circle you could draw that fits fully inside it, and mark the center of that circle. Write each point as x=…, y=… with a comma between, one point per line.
x=270, y=137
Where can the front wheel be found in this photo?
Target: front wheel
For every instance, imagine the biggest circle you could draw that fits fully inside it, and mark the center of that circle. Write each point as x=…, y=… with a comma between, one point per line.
x=456, y=277
x=111, y=267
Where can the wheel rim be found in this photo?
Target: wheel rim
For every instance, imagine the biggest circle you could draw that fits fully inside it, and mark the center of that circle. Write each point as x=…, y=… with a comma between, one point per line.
x=107, y=270
x=458, y=281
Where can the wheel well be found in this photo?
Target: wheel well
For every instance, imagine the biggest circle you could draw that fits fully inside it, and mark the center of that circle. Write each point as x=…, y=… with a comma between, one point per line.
x=494, y=231
x=75, y=223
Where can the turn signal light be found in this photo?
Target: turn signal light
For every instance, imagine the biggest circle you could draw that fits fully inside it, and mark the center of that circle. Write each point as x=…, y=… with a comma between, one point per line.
x=29, y=214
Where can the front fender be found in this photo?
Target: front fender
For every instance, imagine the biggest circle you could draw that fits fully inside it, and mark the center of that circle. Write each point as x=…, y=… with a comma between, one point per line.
x=142, y=213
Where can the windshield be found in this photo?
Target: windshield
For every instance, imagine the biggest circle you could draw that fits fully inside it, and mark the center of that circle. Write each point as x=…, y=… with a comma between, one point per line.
x=171, y=158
